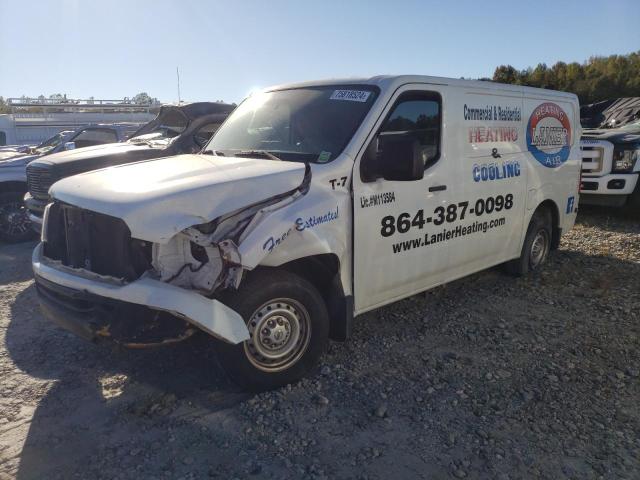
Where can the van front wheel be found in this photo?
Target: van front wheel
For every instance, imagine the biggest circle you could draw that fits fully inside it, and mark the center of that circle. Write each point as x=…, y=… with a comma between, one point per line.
x=537, y=245
x=288, y=330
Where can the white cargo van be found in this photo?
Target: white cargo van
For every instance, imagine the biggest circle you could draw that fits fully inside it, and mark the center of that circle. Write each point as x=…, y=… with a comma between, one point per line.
x=313, y=203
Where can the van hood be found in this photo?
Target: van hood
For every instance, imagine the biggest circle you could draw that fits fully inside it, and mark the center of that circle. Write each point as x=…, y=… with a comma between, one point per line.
x=159, y=198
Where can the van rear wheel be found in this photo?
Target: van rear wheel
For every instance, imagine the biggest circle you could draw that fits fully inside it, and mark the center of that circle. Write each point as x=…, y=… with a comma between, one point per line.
x=536, y=247
x=288, y=330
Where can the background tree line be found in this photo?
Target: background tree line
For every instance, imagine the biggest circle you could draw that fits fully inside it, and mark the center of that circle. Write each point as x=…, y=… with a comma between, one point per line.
x=142, y=98
x=599, y=78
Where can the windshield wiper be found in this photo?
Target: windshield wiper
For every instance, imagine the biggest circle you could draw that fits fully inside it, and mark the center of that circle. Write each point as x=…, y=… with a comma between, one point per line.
x=256, y=153
x=142, y=141
x=217, y=153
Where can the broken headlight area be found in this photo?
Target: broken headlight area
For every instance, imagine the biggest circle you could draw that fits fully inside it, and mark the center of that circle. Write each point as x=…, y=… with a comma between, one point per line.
x=205, y=257
x=184, y=263
x=93, y=243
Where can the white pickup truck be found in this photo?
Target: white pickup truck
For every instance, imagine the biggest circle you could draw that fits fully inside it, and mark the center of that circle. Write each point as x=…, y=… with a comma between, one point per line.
x=611, y=168
x=313, y=203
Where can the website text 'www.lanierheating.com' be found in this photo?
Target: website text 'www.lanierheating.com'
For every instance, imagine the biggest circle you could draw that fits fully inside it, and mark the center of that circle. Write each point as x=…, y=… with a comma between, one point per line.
x=447, y=234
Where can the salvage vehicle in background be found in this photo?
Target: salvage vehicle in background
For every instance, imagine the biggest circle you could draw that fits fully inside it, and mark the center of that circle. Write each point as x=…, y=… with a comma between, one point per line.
x=313, y=203
x=177, y=129
x=31, y=121
x=44, y=147
x=14, y=220
x=611, y=168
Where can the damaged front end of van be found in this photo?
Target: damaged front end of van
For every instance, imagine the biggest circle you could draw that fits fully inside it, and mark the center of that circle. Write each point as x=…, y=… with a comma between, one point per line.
x=139, y=256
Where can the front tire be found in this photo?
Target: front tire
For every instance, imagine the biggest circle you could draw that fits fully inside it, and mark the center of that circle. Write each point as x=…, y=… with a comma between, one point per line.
x=536, y=247
x=288, y=326
x=15, y=226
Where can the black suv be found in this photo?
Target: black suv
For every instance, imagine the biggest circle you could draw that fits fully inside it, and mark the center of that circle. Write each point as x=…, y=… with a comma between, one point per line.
x=177, y=129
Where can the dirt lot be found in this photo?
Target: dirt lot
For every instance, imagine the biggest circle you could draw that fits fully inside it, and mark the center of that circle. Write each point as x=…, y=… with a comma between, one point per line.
x=488, y=377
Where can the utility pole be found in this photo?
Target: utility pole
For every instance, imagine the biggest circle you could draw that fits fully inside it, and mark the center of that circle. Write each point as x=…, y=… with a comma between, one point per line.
x=178, y=75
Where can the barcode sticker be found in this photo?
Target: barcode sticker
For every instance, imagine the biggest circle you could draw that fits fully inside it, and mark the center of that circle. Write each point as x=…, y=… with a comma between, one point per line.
x=350, y=95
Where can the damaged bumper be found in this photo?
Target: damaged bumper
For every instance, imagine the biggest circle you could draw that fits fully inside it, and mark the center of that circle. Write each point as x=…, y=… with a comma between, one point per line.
x=56, y=284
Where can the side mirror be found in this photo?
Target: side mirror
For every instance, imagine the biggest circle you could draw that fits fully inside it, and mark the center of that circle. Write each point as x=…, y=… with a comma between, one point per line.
x=393, y=157
x=70, y=145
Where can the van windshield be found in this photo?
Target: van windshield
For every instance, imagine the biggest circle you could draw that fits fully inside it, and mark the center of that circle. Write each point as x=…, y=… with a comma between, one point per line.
x=311, y=124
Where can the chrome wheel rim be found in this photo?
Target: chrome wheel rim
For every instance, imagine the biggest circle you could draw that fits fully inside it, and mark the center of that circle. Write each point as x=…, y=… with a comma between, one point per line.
x=279, y=334
x=14, y=220
x=539, y=248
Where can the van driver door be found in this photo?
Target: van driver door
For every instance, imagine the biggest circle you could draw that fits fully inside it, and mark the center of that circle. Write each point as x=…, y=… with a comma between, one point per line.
x=394, y=220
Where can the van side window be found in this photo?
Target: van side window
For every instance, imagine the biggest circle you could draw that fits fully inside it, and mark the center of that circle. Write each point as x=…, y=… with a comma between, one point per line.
x=3, y=138
x=417, y=114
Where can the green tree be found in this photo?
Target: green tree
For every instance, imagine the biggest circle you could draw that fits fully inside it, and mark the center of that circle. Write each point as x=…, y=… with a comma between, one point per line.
x=4, y=108
x=141, y=98
x=144, y=98
x=506, y=74
x=599, y=78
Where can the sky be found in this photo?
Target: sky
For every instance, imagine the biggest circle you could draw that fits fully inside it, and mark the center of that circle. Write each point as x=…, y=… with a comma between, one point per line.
x=226, y=49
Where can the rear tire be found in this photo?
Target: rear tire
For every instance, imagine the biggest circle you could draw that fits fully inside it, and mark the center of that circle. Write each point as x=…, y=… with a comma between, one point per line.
x=536, y=247
x=15, y=226
x=288, y=327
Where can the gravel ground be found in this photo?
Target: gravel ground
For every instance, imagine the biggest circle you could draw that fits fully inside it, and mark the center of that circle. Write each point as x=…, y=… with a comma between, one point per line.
x=487, y=377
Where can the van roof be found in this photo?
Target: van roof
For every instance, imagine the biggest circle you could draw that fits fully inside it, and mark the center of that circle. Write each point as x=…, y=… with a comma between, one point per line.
x=391, y=82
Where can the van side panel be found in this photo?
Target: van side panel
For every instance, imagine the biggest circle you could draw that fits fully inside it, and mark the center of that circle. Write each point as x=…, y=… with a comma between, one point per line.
x=552, y=139
x=487, y=141
x=504, y=152
x=466, y=214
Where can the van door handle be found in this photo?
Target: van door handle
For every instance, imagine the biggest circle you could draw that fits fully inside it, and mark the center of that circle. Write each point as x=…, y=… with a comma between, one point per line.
x=437, y=188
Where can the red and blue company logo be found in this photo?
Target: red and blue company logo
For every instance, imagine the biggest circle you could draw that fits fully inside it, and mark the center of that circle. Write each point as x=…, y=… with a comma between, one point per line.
x=549, y=135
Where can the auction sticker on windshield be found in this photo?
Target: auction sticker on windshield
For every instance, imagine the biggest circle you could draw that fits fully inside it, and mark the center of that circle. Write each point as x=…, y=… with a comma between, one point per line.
x=350, y=95
x=549, y=135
